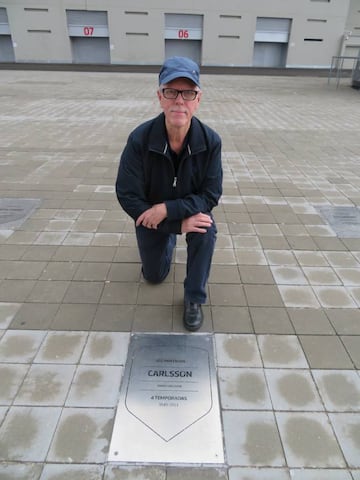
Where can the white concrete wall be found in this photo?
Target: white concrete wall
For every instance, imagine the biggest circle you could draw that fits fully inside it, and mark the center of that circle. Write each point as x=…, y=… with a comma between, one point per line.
x=228, y=29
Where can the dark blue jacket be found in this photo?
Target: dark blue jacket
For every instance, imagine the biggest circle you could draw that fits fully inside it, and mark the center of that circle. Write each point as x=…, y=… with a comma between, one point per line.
x=146, y=173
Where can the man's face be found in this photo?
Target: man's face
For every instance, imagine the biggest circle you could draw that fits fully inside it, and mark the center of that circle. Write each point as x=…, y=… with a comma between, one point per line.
x=178, y=112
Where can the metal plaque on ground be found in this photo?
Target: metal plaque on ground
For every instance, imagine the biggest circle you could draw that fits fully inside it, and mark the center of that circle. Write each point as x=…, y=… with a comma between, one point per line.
x=345, y=221
x=169, y=405
x=14, y=211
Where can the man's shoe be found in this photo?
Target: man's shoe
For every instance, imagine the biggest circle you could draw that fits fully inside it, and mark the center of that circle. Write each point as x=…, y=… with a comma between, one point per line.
x=193, y=316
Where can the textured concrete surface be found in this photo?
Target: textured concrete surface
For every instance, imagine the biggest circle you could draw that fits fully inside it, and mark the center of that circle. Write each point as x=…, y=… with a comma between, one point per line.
x=284, y=291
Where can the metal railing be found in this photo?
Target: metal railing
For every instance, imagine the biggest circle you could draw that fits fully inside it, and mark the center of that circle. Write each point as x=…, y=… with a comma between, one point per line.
x=337, y=69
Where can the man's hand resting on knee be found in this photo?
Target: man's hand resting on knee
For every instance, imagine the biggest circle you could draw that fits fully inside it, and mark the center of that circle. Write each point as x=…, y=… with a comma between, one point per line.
x=197, y=223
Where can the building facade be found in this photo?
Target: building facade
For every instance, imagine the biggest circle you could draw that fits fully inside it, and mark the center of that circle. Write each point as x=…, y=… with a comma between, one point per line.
x=261, y=33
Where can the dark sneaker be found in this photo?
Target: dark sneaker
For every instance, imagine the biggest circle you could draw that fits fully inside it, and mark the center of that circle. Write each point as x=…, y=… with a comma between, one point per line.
x=193, y=316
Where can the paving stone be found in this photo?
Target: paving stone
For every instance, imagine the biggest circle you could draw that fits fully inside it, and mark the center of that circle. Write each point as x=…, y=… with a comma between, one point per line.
x=243, y=389
x=35, y=316
x=234, y=350
x=59, y=271
x=340, y=390
x=15, y=290
x=293, y=390
x=309, y=441
x=259, y=474
x=48, y=291
x=325, y=351
x=281, y=351
x=298, y=296
x=252, y=439
x=20, y=347
x=263, y=296
x=319, y=474
x=114, y=318
x=271, y=320
x=227, y=295
x=26, y=433
x=95, y=386
x=7, y=313
x=29, y=471
x=113, y=472
x=153, y=318
x=231, y=319
x=83, y=292
x=104, y=348
x=73, y=317
x=74, y=472
x=201, y=473
x=82, y=436
x=352, y=345
x=12, y=377
x=310, y=321
x=61, y=347
x=347, y=429
x=46, y=385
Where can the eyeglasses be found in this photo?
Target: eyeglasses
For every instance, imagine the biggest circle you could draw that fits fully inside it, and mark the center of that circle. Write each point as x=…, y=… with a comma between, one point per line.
x=172, y=94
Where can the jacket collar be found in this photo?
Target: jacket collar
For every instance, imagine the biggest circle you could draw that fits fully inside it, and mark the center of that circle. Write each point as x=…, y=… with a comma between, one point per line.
x=158, y=138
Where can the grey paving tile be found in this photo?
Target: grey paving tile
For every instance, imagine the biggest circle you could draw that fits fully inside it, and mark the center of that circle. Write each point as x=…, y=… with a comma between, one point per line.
x=319, y=474
x=200, y=473
x=153, y=318
x=61, y=347
x=117, y=472
x=73, y=472
x=309, y=441
x=29, y=471
x=310, y=321
x=345, y=321
x=7, y=313
x=3, y=412
x=232, y=319
x=114, y=318
x=118, y=293
x=263, y=296
x=83, y=292
x=281, y=351
x=271, y=320
x=48, y=291
x=46, y=385
x=293, y=390
x=227, y=295
x=12, y=377
x=252, y=439
x=95, y=386
x=82, y=436
x=20, y=347
x=59, y=271
x=104, y=348
x=74, y=317
x=26, y=433
x=352, y=345
x=243, y=389
x=15, y=290
x=237, y=351
x=259, y=474
x=325, y=351
x=35, y=316
x=347, y=429
x=340, y=390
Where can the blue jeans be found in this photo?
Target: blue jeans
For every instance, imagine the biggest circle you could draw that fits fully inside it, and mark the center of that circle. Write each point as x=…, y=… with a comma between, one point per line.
x=156, y=250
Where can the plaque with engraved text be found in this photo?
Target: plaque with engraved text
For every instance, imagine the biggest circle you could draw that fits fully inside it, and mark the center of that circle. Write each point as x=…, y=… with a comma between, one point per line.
x=168, y=409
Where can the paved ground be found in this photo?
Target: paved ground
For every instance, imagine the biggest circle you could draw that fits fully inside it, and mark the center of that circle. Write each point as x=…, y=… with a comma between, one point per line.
x=284, y=292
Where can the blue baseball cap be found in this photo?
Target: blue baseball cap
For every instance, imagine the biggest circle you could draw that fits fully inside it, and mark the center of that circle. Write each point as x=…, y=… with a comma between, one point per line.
x=179, y=67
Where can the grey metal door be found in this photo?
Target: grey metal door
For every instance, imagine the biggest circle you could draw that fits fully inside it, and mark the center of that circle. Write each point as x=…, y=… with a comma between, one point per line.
x=6, y=49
